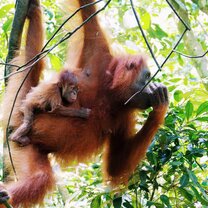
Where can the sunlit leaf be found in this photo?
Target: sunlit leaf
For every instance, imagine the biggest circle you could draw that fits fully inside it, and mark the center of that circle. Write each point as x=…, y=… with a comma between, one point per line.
x=202, y=108
x=127, y=204
x=165, y=200
x=117, y=202
x=146, y=20
x=55, y=62
x=187, y=194
x=178, y=95
x=181, y=4
x=189, y=109
x=96, y=202
x=5, y=9
x=7, y=25
x=158, y=205
x=203, y=118
x=199, y=197
x=184, y=180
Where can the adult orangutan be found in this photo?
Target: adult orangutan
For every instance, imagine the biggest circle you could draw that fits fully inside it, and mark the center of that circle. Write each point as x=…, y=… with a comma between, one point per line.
x=105, y=82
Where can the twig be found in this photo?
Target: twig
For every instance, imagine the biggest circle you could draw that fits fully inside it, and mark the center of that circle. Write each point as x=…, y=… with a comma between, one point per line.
x=143, y=34
x=184, y=23
x=10, y=65
x=179, y=40
x=188, y=56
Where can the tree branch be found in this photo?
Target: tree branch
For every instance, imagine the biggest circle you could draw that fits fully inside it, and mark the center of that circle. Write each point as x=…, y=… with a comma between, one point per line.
x=16, y=33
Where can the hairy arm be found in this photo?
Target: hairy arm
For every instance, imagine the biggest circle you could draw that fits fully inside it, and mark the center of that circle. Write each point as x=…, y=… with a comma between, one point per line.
x=124, y=151
x=71, y=111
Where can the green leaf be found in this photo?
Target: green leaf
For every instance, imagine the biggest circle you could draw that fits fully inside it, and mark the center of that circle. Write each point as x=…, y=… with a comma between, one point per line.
x=176, y=163
x=181, y=4
x=165, y=200
x=143, y=176
x=158, y=205
x=184, y=180
x=187, y=194
x=160, y=33
x=196, y=183
x=175, y=80
x=203, y=118
x=189, y=108
x=192, y=176
x=178, y=95
x=5, y=9
x=117, y=202
x=96, y=202
x=202, y=108
x=49, y=13
x=55, y=62
x=127, y=204
x=6, y=26
x=199, y=197
x=152, y=157
x=146, y=20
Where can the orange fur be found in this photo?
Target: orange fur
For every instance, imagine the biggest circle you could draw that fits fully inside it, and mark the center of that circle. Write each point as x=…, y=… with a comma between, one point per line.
x=105, y=83
x=50, y=97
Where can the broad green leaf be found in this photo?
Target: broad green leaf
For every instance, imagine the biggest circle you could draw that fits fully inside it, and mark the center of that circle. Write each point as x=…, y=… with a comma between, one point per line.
x=5, y=9
x=165, y=200
x=158, y=205
x=203, y=118
x=175, y=80
x=184, y=180
x=6, y=26
x=49, y=13
x=160, y=33
x=143, y=176
x=202, y=108
x=152, y=157
x=194, y=179
x=192, y=176
x=189, y=109
x=146, y=20
x=127, y=204
x=55, y=62
x=96, y=202
x=180, y=60
x=199, y=197
x=178, y=95
x=181, y=4
x=176, y=163
x=187, y=194
x=117, y=202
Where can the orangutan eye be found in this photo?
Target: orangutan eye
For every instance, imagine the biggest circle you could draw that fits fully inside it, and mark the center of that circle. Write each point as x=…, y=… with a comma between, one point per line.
x=131, y=66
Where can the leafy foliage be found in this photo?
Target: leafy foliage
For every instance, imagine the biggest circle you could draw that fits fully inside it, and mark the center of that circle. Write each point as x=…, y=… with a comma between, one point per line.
x=174, y=172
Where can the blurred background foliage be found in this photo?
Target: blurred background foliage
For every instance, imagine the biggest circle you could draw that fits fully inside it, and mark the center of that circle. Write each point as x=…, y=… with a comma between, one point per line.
x=174, y=172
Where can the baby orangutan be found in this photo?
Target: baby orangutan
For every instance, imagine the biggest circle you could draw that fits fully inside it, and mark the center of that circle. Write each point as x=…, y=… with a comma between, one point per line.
x=58, y=97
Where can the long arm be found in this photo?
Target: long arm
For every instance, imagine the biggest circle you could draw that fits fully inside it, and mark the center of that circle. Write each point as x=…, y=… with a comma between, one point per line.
x=93, y=41
x=71, y=111
x=124, y=151
x=34, y=44
x=19, y=135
